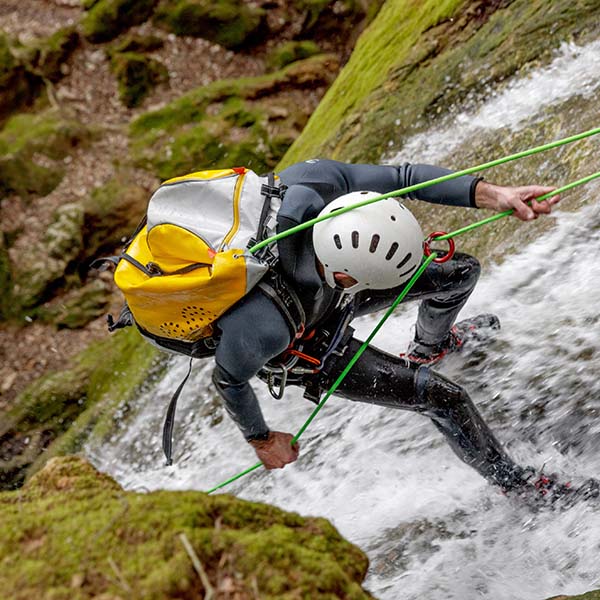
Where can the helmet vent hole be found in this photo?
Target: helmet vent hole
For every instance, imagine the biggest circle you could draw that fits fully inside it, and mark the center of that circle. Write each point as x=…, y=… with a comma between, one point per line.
x=392, y=217
x=391, y=251
x=374, y=243
x=404, y=260
x=337, y=241
x=408, y=272
x=355, y=238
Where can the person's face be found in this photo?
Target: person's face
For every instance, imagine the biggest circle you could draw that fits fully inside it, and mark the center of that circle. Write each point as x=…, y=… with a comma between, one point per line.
x=344, y=280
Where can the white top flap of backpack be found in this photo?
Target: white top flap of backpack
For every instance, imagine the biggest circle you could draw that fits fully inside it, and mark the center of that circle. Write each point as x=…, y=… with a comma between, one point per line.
x=207, y=208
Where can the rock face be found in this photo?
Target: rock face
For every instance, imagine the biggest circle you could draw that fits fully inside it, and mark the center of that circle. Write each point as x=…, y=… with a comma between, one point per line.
x=72, y=532
x=434, y=56
x=231, y=122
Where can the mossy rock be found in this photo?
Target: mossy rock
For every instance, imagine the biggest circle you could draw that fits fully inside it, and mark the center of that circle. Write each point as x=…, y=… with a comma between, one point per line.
x=45, y=266
x=76, y=308
x=291, y=51
x=27, y=135
x=107, y=19
x=18, y=86
x=323, y=18
x=56, y=414
x=23, y=68
x=248, y=121
x=134, y=42
x=137, y=76
x=230, y=23
x=49, y=54
x=418, y=59
x=72, y=532
x=111, y=213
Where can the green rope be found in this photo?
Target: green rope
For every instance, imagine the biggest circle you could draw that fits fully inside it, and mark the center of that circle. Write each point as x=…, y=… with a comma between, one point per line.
x=350, y=364
x=424, y=184
x=506, y=213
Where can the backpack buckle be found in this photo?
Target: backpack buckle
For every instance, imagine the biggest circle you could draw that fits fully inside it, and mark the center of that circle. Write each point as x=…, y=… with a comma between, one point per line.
x=269, y=190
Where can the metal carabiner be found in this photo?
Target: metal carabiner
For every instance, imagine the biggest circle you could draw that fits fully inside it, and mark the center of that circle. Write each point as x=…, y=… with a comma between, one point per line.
x=278, y=395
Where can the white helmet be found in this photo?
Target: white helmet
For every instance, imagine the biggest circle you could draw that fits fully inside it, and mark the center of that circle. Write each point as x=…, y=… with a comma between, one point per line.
x=379, y=245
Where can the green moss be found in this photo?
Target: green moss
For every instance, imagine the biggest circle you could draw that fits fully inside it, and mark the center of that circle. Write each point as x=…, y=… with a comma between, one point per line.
x=137, y=76
x=87, y=4
x=49, y=54
x=323, y=18
x=18, y=86
x=227, y=22
x=70, y=523
x=289, y=52
x=47, y=263
x=379, y=48
x=134, y=42
x=44, y=134
x=111, y=213
x=107, y=19
x=230, y=122
x=76, y=308
x=52, y=402
x=62, y=409
x=7, y=60
x=417, y=59
x=23, y=69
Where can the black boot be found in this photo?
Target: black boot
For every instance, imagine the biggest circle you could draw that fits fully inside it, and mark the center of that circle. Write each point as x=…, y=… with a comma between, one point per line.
x=474, y=329
x=547, y=491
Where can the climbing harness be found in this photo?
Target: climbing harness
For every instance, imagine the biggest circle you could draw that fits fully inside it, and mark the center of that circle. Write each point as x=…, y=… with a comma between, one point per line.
x=307, y=354
x=429, y=257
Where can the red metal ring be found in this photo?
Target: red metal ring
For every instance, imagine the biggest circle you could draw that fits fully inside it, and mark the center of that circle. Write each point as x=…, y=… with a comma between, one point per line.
x=427, y=250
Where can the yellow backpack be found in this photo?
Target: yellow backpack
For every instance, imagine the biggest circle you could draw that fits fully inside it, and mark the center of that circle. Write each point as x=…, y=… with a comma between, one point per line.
x=189, y=262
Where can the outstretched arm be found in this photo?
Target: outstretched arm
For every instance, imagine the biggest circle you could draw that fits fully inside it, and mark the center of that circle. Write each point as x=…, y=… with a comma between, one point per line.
x=251, y=334
x=520, y=199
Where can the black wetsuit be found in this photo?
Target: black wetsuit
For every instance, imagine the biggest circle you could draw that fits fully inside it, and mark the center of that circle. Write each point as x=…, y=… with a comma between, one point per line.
x=254, y=331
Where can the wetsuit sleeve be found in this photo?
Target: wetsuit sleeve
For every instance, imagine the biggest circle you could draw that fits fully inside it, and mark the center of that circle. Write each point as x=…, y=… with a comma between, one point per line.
x=330, y=179
x=251, y=334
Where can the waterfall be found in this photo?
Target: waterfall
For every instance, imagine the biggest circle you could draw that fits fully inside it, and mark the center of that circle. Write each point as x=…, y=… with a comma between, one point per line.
x=432, y=527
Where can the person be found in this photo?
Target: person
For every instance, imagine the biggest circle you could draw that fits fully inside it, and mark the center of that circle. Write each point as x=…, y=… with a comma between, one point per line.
x=331, y=295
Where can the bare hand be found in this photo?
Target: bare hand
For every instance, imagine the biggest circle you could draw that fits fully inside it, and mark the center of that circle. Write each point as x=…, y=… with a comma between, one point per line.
x=276, y=451
x=520, y=199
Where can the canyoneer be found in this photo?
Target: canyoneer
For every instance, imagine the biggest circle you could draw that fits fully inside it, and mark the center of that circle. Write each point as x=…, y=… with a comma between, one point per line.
x=286, y=315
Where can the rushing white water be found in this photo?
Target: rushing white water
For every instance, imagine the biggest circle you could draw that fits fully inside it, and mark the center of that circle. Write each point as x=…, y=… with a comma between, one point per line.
x=432, y=527
x=575, y=71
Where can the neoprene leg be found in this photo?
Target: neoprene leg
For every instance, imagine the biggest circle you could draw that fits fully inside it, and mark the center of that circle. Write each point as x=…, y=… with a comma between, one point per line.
x=443, y=288
x=403, y=385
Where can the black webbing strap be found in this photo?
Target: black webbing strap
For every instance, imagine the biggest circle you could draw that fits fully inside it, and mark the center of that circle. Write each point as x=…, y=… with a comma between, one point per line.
x=285, y=298
x=268, y=191
x=170, y=419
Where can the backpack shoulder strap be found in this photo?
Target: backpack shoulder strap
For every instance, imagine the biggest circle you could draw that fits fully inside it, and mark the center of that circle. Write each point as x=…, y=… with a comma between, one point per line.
x=274, y=286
